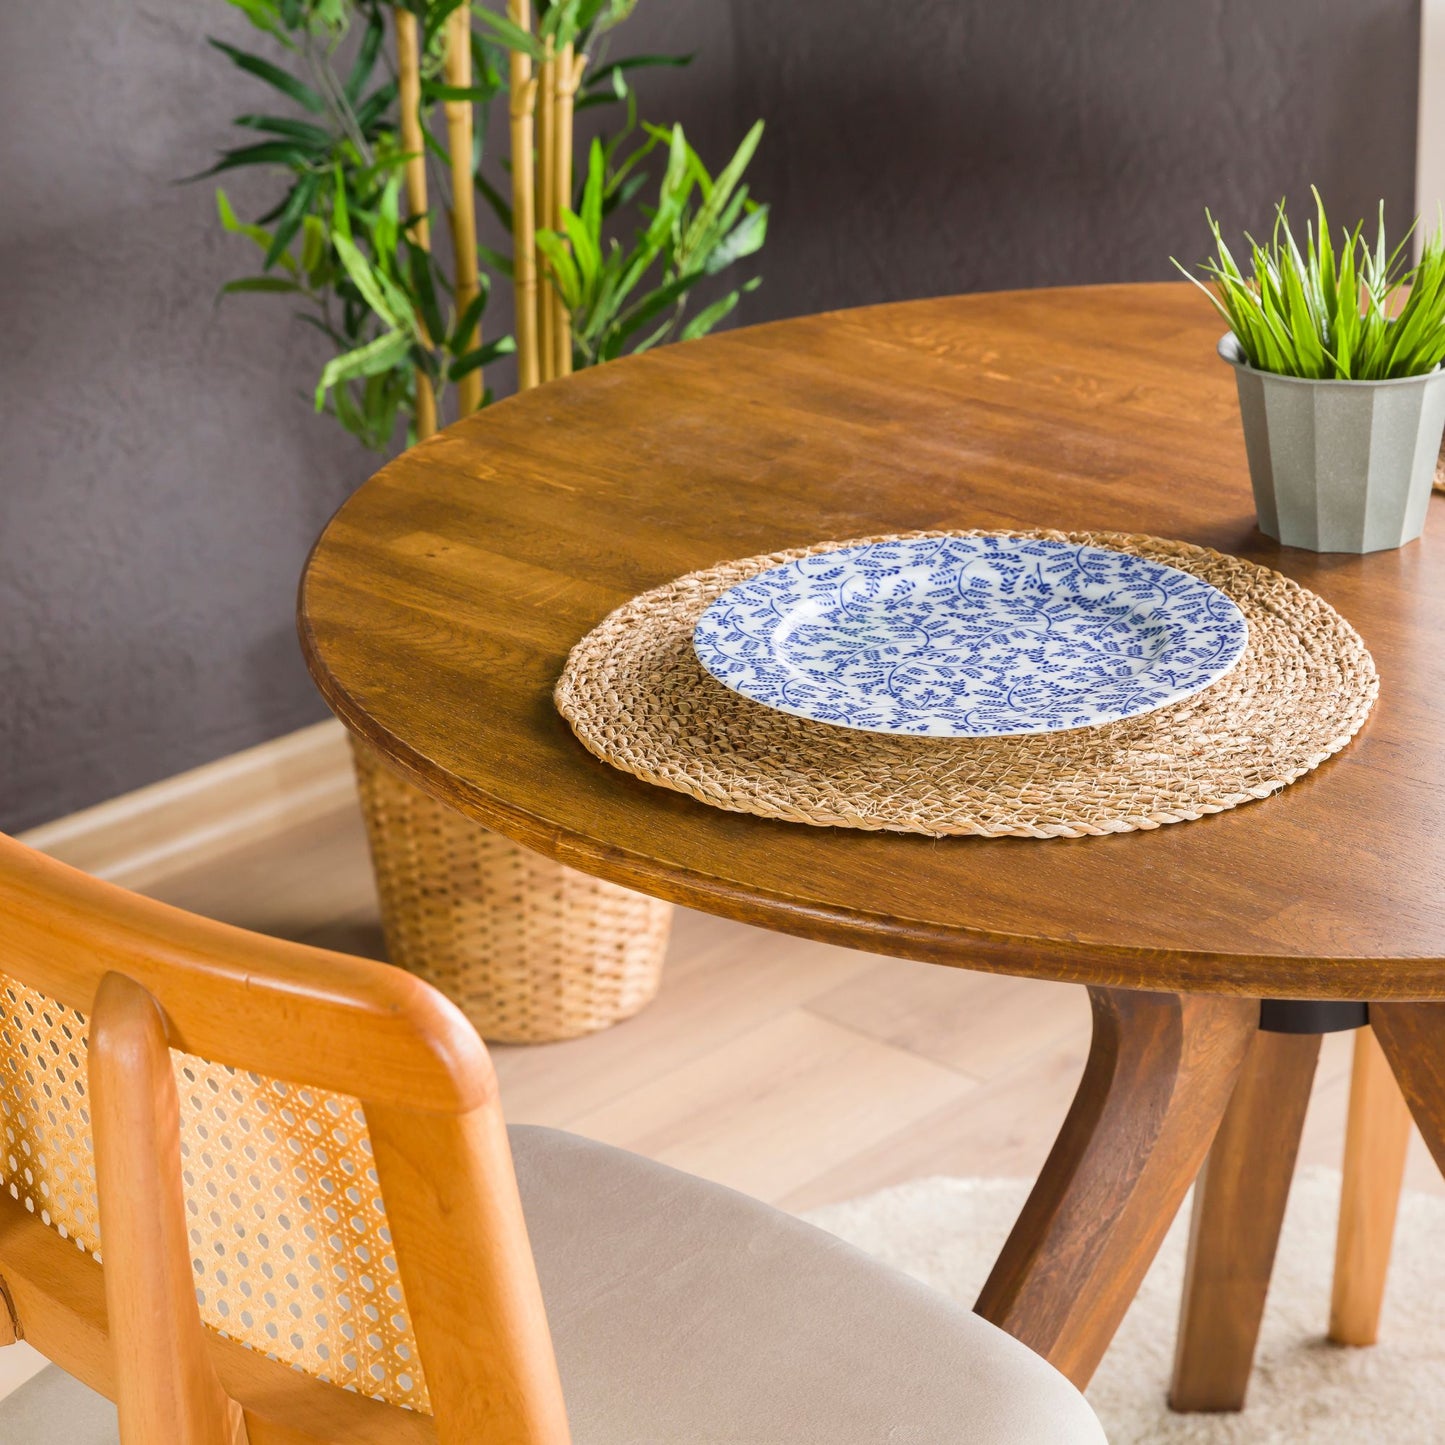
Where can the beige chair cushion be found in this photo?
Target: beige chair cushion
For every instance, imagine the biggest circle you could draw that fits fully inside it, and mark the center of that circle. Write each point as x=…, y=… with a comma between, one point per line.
x=687, y=1314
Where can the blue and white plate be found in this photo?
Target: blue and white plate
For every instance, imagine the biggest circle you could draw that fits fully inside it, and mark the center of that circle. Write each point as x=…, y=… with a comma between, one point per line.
x=969, y=637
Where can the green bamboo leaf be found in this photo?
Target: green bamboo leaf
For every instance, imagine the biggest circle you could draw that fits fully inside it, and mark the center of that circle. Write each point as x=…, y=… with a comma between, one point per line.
x=274, y=76
x=230, y=222
x=672, y=200
x=490, y=65
x=303, y=193
x=347, y=414
x=264, y=153
x=501, y=208
x=399, y=303
x=366, y=279
x=655, y=301
x=317, y=323
x=466, y=324
x=738, y=205
x=609, y=83
x=621, y=196
x=259, y=283
x=366, y=54
x=586, y=250
x=510, y=35
x=561, y=269
x=663, y=333
x=709, y=317
x=386, y=229
x=312, y=137
x=423, y=289
x=592, y=189
x=723, y=186
x=373, y=113
x=482, y=356
x=313, y=246
x=745, y=239
x=379, y=355
x=600, y=315
x=499, y=261
x=264, y=15
x=340, y=209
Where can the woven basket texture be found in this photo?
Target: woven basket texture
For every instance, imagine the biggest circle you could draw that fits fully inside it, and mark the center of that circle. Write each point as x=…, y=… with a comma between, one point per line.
x=531, y=950
x=636, y=696
x=291, y=1250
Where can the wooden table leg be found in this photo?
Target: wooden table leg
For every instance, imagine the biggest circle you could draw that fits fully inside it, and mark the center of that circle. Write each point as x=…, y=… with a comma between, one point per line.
x=1160, y=1074
x=1377, y=1137
x=1239, y=1201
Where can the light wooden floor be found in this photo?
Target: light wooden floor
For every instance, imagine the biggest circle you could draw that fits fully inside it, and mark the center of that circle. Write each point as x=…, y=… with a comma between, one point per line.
x=799, y=1072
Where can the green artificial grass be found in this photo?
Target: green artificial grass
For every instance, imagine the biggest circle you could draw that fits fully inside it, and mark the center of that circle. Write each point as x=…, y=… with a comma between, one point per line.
x=1359, y=314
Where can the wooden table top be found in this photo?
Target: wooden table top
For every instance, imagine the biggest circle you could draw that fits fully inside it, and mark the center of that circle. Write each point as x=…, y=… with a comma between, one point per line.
x=441, y=601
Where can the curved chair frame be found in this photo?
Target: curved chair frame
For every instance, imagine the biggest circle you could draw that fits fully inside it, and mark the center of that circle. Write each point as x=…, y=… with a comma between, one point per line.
x=152, y=978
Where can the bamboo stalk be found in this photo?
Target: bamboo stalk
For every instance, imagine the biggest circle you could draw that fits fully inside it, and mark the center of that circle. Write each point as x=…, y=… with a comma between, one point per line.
x=458, y=69
x=523, y=105
x=569, y=76
x=408, y=69
x=547, y=204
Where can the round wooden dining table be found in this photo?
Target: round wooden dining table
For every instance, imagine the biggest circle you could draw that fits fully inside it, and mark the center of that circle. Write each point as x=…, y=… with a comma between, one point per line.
x=440, y=604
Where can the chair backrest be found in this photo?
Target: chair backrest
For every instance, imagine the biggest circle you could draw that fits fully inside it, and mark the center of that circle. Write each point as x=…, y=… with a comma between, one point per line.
x=252, y=1190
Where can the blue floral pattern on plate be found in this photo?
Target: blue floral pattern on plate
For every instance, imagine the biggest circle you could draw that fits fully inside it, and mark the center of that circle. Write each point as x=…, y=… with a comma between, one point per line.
x=970, y=636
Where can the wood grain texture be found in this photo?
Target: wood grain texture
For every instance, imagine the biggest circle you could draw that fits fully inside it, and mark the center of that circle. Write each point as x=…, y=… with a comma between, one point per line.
x=1377, y=1141
x=440, y=604
x=166, y=1382
x=1413, y=1040
x=1160, y=1073
x=456, y=1216
x=1239, y=1201
x=9, y=1320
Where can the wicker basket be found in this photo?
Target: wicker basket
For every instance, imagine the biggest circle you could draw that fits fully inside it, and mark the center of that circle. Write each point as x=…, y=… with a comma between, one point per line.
x=531, y=950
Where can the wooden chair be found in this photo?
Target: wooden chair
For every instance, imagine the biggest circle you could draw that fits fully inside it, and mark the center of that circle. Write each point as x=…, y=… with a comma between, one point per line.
x=294, y=1167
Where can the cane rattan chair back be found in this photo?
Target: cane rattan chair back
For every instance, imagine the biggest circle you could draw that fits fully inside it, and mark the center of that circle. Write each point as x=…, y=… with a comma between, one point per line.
x=294, y=1159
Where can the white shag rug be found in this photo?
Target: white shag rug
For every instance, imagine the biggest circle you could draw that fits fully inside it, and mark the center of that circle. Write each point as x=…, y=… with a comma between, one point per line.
x=948, y=1231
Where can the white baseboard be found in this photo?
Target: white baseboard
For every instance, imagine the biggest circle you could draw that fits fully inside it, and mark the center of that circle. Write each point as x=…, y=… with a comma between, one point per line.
x=194, y=816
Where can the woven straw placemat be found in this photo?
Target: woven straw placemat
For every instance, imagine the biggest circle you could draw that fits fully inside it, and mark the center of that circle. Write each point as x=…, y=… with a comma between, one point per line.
x=637, y=697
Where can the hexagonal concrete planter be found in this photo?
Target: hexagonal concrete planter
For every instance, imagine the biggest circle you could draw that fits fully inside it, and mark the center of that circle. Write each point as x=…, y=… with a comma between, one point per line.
x=1339, y=466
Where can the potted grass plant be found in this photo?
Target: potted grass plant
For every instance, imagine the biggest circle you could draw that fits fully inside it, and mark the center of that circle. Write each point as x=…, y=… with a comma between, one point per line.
x=1337, y=357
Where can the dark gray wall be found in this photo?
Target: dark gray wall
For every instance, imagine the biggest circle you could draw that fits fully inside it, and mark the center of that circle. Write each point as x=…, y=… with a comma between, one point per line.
x=163, y=476
x=160, y=478
x=1034, y=142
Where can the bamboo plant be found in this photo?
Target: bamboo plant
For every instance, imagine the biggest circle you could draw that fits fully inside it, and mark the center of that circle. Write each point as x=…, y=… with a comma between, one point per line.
x=404, y=318
x=599, y=294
